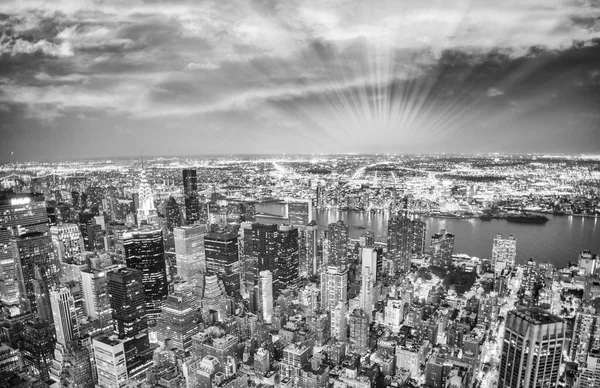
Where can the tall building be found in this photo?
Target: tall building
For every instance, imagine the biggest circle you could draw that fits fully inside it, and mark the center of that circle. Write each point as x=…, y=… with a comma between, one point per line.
x=172, y=214
x=22, y=214
x=178, y=322
x=127, y=301
x=590, y=371
x=405, y=237
x=585, y=337
x=334, y=287
x=442, y=248
x=339, y=323
x=532, y=349
x=190, y=192
x=146, y=211
x=504, y=252
x=189, y=253
x=367, y=297
x=359, y=330
x=299, y=211
x=67, y=240
x=37, y=272
x=94, y=286
x=37, y=348
x=222, y=259
x=265, y=290
x=308, y=238
x=144, y=251
x=64, y=314
x=110, y=362
x=337, y=239
x=589, y=262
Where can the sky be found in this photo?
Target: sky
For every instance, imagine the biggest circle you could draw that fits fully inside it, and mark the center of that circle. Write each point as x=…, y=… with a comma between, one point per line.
x=105, y=78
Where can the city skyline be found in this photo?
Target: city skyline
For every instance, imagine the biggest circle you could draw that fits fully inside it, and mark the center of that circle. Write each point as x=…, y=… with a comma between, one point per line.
x=106, y=79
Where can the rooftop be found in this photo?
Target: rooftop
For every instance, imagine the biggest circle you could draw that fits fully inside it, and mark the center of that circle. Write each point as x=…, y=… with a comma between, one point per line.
x=536, y=316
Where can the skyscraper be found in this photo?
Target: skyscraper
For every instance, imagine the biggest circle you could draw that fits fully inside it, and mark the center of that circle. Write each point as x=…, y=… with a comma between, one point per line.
x=265, y=290
x=339, y=323
x=37, y=347
x=189, y=252
x=172, y=214
x=178, y=322
x=590, y=371
x=532, y=349
x=67, y=240
x=442, y=248
x=146, y=211
x=222, y=259
x=359, y=330
x=504, y=252
x=586, y=336
x=190, y=192
x=127, y=301
x=94, y=286
x=334, y=287
x=65, y=315
x=37, y=272
x=22, y=213
x=405, y=237
x=307, y=249
x=337, y=238
x=144, y=251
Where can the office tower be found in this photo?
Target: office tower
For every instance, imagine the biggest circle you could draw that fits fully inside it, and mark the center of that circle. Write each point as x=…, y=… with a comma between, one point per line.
x=37, y=348
x=359, y=330
x=67, y=240
x=94, y=287
x=405, y=237
x=265, y=290
x=37, y=272
x=532, y=349
x=144, y=251
x=339, y=322
x=264, y=246
x=442, y=248
x=178, y=322
x=214, y=298
x=189, y=253
x=590, y=371
x=334, y=287
x=146, y=211
x=22, y=213
x=222, y=259
x=127, y=301
x=337, y=238
x=369, y=261
x=286, y=266
x=299, y=211
x=71, y=366
x=262, y=361
x=10, y=360
x=367, y=239
x=172, y=214
x=190, y=192
x=504, y=252
x=308, y=238
x=585, y=337
x=110, y=362
x=295, y=358
x=394, y=314
x=367, y=299
x=64, y=314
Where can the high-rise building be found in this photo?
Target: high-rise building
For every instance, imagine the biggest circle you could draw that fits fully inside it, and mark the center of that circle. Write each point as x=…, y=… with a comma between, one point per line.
x=146, y=211
x=504, y=252
x=590, y=371
x=67, y=240
x=337, y=239
x=532, y=349
x=367, y=298
x=190, y=192
x=222, y=259
x=299, y=212
x=144, y=251
x=110, y=362
x=265, y=289
x=37, y=272
x=22, y=214
x=442, y=248
x=127, y=301
x=359, y=330
x=334, y=287
x=172, y=214
x=589, y=262
x=405, y=237
x=585, y=337
x=37, y=348
x=308, y=238
x=94, y=286
x=189, y=253
x=64, y=314
x=339, y=323
x=178, y=322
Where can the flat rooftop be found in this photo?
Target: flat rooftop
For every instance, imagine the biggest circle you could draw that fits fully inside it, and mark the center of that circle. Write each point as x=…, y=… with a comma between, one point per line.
x=537, y=316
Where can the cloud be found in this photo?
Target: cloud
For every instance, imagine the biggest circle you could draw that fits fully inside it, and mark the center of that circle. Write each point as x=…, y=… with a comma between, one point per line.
x=201, y=66
x=494, y=92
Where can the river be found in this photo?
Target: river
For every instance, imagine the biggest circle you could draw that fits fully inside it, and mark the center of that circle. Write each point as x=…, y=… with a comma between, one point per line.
x=558, y=241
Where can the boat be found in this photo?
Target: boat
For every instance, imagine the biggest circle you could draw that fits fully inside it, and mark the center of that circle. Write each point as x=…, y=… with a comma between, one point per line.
x=527, y=218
